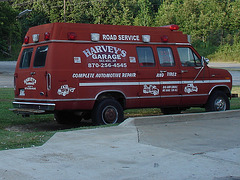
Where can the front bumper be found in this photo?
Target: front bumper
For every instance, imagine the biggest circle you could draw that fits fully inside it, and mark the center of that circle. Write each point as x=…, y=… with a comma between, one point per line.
x=28, y=108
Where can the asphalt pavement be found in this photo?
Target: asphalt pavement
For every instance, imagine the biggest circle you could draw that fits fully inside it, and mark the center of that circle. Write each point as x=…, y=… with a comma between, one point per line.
x=183, y=147
x=7, y=69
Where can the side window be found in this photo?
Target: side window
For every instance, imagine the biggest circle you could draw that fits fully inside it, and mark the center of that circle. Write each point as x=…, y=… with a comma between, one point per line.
x=26, y=58
x=145, y=56
x=165, y=56
x=188, y=57
x=40, y=56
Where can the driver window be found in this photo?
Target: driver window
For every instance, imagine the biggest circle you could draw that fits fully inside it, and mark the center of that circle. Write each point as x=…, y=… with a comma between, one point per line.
x=188, y=57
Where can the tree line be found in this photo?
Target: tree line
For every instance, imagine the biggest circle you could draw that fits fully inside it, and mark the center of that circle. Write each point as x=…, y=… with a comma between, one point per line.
x=213, y=24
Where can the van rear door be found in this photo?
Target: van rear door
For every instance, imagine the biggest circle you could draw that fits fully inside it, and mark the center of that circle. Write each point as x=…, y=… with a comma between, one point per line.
x=31, y=74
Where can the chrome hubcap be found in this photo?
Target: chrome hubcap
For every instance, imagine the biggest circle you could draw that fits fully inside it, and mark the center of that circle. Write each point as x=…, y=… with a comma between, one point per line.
x=110, y=115
x=220, y=104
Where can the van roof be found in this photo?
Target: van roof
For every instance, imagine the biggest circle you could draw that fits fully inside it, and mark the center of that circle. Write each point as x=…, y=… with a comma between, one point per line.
x=104, y=33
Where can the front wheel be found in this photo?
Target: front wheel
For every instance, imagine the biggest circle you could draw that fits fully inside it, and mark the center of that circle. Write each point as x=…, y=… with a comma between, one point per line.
x=218, y=101
x=107, y=111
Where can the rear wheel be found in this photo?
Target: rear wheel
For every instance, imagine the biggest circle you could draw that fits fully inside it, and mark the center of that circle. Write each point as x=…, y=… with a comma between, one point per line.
x=218, y=101
x=107, y=111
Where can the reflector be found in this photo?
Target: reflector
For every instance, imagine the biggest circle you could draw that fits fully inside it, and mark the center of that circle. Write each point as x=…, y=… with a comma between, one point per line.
x=146, y=38
x=164, y=38
x=35, y=37
x=95, y=36
x=71, y=35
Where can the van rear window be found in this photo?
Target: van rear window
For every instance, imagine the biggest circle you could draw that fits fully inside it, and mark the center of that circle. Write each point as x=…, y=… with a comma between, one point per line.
x=145, y=56
x=26, y=58
x=40, y=56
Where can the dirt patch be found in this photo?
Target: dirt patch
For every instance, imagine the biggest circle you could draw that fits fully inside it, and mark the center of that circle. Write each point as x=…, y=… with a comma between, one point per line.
x=47, y=126
x=6, y=100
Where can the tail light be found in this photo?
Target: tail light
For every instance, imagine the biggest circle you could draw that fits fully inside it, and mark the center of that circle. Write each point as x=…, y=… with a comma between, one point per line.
x=46, y=36
x=26, y=39
x=49, y=81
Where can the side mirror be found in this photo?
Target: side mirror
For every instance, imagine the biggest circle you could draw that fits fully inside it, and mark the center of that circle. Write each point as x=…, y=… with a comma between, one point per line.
x=206, y=60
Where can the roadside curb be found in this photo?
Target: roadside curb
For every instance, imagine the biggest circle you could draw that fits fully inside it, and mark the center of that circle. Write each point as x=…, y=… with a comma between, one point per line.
x=148, y=120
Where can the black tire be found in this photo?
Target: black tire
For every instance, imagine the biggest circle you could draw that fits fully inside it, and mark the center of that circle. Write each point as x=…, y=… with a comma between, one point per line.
x=107, y=111
x=218, y=101
x=171, y=110
x=66, y=117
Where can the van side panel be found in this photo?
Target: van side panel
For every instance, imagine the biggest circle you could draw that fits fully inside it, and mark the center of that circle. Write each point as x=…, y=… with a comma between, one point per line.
x=89, y=70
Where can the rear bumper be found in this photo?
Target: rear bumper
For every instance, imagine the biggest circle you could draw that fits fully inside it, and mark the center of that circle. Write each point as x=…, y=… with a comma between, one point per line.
x=28, y=108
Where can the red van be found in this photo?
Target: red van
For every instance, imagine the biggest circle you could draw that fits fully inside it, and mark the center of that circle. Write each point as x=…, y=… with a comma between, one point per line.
x=96, y=71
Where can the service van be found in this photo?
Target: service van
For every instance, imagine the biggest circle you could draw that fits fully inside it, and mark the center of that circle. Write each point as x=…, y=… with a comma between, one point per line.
x=95, y=71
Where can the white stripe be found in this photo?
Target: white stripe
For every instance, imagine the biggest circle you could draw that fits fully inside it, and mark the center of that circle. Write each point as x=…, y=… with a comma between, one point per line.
x=143, y=83
x=154, y=82
x=110, y=84
x=171, y=82
x=206, y=81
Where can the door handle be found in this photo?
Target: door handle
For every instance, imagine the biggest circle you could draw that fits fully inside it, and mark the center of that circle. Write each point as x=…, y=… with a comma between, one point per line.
x=197, y=67
x=184, y=71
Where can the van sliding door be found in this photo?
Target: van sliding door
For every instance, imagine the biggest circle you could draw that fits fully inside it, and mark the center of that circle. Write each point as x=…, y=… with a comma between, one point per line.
x=170, y=77
x=149, y=91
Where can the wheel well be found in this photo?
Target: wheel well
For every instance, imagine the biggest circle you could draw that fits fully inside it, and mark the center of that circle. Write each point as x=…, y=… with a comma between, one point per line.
x=224, y=89
x=118, y=96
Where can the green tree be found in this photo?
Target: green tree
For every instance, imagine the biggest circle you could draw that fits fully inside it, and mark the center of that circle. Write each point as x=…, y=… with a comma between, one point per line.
x=78, y=11
x=128, y=11
x=144, y=15
x=8, y=28
x=120, y=12
x=166, y=14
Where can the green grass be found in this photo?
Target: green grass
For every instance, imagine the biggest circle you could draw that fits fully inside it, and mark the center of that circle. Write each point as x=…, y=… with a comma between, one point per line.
x=227, y=53
x=14, y=139
x=42, y=127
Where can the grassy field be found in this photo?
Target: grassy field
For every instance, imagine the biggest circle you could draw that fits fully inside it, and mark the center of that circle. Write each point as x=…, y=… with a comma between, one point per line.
x=18, y=132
